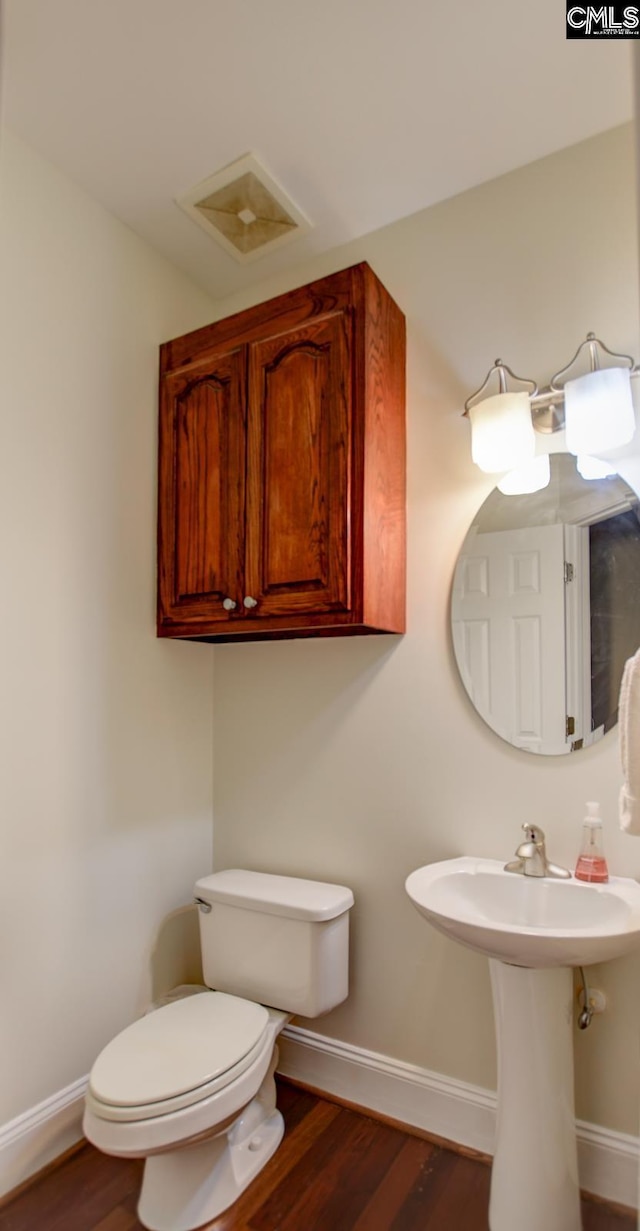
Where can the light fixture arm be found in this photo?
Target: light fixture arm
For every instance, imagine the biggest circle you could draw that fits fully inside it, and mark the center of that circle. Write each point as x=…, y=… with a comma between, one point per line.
x=592, y=342
x=503, y=372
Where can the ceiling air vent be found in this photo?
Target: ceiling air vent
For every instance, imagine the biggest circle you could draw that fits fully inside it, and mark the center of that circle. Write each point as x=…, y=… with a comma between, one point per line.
x=244, y=209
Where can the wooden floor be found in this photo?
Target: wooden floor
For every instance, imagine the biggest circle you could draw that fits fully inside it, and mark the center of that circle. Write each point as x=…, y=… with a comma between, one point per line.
x=336, y=1170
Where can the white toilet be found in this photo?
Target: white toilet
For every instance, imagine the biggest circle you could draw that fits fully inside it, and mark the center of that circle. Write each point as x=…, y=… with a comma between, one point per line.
x=190, y=1086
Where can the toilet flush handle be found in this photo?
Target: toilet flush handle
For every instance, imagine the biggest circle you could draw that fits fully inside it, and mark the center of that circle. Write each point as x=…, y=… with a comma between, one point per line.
x=205, y=907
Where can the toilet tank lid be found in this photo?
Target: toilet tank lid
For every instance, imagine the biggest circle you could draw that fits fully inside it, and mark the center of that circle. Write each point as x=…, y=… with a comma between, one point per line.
x=276, y=895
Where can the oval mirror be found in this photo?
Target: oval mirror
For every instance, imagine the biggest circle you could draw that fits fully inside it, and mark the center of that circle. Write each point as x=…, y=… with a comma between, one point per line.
x=545, y=609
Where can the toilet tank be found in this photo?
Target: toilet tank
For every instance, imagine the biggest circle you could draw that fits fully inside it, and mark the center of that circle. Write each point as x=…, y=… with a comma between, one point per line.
x=278, y=940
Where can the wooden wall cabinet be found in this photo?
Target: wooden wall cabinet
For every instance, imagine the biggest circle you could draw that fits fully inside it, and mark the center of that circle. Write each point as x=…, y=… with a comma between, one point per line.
x=282, y=468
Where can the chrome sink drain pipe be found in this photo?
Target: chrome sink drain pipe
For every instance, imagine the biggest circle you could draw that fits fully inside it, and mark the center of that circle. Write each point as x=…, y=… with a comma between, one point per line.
x=586, y=1013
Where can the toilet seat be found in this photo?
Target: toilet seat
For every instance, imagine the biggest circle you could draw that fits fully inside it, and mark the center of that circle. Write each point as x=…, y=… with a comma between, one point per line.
x=161, y=1129
x=176, y=1056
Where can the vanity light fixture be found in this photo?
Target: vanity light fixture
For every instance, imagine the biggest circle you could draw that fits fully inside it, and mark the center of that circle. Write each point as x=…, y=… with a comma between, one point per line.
x=594, y=468
x=595, y=408
x=502, y=436
x=526, y=479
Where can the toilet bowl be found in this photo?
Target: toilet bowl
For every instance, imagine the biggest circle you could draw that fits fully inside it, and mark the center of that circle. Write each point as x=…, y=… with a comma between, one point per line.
x=222, y=1098
x=190, y=1087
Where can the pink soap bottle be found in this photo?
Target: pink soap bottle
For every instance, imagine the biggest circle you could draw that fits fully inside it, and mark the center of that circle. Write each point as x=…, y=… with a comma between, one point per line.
x=592, y=865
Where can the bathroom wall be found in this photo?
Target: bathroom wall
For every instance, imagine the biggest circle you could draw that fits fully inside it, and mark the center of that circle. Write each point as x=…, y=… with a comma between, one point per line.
x=359, y=760
x=354, y=760
x=105, y=743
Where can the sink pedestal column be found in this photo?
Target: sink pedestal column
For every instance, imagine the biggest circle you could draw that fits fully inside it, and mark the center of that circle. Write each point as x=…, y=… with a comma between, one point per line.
x=534, y=1179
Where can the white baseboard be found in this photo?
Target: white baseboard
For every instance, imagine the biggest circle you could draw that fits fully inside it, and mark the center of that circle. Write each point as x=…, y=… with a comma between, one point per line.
x=609, y=1162
x=41, y=1134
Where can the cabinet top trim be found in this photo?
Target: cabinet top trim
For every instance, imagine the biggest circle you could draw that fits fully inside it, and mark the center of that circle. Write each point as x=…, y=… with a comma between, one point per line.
x=327, y=295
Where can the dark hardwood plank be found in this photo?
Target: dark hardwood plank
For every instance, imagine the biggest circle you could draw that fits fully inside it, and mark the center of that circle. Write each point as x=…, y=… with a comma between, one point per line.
x=598, y=1216
x=452, y=1192
x=404, y=1172
x=54, y=1165
x=119, y=1219
x=336, y=1170
x=75, y=1197
x=331, y=1184
x=294, y=1146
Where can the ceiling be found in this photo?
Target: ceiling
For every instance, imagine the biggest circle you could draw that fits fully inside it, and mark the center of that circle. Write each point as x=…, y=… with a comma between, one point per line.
x=364, y=111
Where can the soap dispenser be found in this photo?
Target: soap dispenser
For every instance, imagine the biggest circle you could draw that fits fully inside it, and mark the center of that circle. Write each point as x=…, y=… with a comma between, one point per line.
x=592, y=865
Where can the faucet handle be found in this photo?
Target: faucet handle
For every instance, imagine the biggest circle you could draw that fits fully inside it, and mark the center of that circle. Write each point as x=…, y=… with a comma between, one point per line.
x=533, y=833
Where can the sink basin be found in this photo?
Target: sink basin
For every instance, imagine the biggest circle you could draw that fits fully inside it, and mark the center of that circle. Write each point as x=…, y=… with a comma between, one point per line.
x=524, y=920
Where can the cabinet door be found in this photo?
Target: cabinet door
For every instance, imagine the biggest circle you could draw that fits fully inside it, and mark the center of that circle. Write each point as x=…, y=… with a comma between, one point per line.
x=298, y=470
x=201, y=489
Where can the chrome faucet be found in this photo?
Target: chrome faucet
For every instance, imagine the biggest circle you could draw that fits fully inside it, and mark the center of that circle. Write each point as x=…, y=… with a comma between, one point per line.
x=531, y=856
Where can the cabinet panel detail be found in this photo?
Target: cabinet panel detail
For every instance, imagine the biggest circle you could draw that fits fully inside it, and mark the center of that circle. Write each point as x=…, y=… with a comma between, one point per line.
x=204, y=486
x=297, y=508
x=202, y=412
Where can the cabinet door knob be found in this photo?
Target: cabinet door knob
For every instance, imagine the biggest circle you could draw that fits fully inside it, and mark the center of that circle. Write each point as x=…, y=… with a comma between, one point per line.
x=229, y=604
x=248, y=601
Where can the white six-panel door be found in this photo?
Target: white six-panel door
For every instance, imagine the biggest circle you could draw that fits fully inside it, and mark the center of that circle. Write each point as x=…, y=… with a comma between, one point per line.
x=509, y=633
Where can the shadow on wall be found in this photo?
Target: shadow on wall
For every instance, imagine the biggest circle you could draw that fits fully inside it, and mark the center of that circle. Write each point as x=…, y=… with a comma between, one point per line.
x=175, y=956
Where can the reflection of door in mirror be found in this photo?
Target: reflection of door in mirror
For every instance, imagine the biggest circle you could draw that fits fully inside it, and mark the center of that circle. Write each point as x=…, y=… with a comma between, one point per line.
x=546, y=609
x=509, y=633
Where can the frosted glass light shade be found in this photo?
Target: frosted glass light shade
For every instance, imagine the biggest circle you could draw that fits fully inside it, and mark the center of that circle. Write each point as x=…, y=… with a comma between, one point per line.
x=502, y=435
x=598, y=411
x=593, y=467
x=529, y=478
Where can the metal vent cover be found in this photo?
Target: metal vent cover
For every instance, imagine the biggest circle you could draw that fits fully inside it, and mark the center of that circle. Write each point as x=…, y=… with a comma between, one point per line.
x=245, y=210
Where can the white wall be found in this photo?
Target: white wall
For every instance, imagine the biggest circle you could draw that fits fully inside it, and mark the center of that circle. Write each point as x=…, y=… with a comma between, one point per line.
x=105, y=732
x=359, y=760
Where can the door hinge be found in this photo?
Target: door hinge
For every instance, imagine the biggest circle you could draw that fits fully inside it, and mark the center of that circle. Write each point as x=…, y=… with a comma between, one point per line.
x=569, y=571
x=570, y=727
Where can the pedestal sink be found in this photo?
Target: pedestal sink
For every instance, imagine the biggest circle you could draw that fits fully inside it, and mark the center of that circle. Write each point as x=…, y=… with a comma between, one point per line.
x=533, y=930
